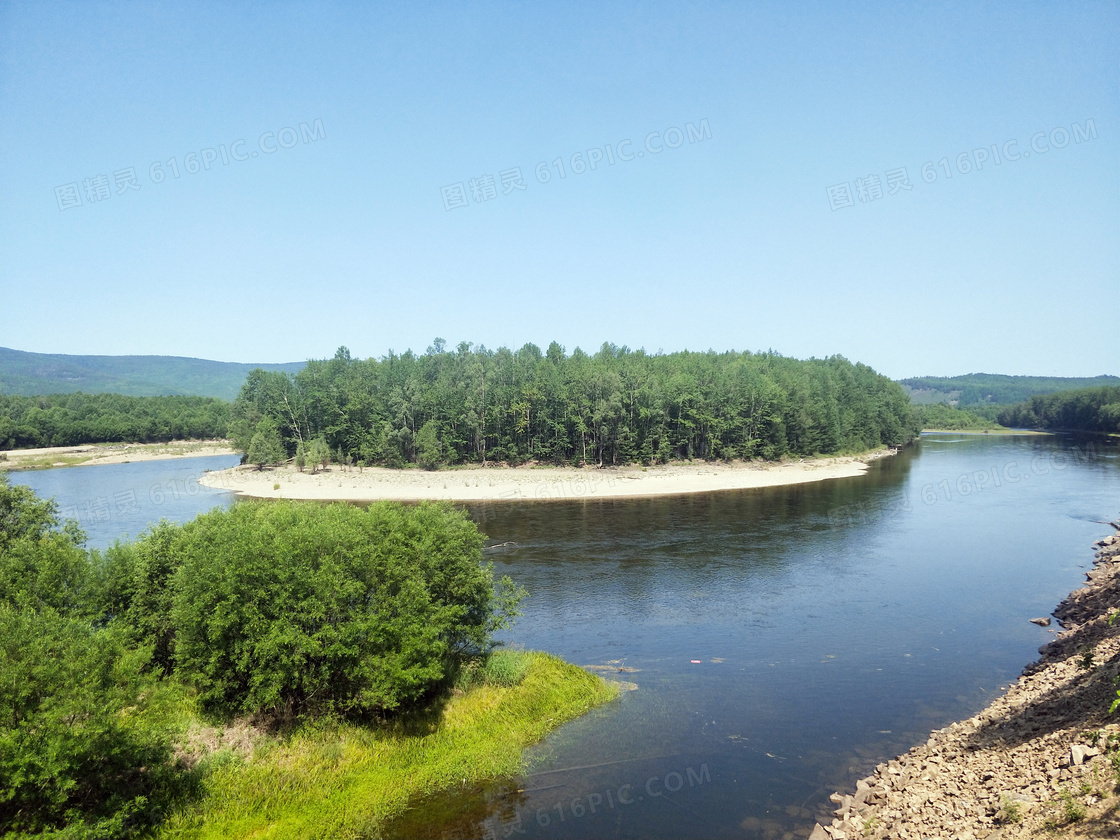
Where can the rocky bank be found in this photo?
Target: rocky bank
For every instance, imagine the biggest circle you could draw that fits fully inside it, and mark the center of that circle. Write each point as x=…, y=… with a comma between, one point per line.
x=1043, y=760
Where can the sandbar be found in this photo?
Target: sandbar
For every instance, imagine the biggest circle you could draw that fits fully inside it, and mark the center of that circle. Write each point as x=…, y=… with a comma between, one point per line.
x=501, y=483
x=89, y=454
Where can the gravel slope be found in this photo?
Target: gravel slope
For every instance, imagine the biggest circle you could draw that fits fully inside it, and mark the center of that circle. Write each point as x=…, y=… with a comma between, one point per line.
x=1043, y=760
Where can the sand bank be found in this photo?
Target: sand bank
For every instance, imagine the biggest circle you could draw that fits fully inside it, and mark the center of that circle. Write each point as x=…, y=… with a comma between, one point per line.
x=110, y=453
x=528, y=483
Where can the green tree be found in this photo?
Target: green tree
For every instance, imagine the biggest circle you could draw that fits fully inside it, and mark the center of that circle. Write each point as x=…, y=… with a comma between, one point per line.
x=291, y=608
x=318, y=454
x=42, y=560
x=135, y=589
x=429, y=451
x=266, y=446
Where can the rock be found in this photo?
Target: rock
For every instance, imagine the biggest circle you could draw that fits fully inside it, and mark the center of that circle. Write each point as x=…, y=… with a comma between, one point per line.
x=1078, y=753
x=818, y=833
x=1041, y=622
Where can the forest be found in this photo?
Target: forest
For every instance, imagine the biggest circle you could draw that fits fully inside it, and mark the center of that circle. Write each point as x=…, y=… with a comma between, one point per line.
x=976, y=390
x=618, y=406
x=71, y=419
x=1086, y=410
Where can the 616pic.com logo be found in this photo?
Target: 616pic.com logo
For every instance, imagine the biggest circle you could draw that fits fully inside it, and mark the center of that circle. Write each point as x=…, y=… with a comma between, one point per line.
x=100, y=188
x=870, y=187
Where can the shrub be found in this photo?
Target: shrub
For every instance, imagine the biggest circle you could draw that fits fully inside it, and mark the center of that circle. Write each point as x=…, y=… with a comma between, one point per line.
x=42, y=562
x=291, y=608
x=134, y=583
x=84, y=740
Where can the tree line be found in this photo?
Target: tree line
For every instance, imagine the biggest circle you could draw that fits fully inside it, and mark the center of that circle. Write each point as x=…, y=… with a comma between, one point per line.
x=975, y=389
x=1087, y=410
x=290, y=611
x=948, y=417
x=472, y=405
x=71, y=419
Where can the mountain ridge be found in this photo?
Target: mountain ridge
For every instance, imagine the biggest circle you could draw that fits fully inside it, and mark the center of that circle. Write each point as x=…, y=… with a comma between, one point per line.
x=29, y=374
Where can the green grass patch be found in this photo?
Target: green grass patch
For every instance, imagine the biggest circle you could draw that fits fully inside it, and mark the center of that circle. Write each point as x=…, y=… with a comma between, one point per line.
x=341, y=780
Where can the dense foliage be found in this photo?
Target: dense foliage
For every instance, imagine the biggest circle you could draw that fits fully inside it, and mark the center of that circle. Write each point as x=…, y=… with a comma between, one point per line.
x=941, y=416
x=975, y=389
x=70, y=419
x=1088, y=410
x=276, y=609
x=85, y=745
x=295, y=608
x=618, y=406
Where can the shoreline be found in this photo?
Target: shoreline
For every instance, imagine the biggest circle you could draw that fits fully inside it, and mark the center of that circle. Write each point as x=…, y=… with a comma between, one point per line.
x=984, y=432
x=499, y=483
x=346, y=779
x=1042, y=759
x=93, y=454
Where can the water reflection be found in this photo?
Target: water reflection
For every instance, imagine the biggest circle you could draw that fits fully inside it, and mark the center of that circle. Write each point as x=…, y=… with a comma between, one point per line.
x=836, y=625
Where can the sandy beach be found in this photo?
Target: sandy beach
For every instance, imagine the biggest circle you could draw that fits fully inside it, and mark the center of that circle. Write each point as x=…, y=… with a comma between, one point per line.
x=110, y=453
x=528, y=483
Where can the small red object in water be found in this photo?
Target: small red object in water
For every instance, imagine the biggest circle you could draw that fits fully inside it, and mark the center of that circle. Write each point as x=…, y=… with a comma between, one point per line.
x=696, y=661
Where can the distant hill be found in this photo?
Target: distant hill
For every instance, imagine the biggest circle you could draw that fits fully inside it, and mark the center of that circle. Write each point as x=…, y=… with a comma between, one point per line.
x=34, y=374
x=989, y=389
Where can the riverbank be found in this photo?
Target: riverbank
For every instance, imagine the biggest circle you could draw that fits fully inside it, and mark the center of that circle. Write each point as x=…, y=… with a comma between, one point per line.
x=109, y=453
x=1043, y=760
x=499, y=483
x=1000, y=431
x=339, y=780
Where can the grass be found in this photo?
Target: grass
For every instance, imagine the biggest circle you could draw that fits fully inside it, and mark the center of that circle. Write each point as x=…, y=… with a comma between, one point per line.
x=1072, y=810
x=1010, y=811
x=339, y=780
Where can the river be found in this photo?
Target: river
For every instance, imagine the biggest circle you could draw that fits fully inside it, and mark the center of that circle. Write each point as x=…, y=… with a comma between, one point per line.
x=783, y=641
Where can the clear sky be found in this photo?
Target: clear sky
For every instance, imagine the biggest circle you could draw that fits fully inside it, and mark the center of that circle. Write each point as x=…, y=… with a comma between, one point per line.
x=354, y=179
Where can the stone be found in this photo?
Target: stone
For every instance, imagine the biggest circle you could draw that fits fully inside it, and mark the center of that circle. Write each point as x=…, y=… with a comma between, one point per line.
x=1079, y=752
x=818, y=833
x=1041, y=622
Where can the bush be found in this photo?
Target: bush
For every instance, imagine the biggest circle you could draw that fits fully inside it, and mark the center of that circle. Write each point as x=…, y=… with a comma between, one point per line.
x=134, y=586
x=42, y=562
x=85, y=743
x=291, y=608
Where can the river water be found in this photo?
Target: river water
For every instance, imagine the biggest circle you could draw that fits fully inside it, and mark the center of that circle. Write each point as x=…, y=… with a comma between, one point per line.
x=783, y=641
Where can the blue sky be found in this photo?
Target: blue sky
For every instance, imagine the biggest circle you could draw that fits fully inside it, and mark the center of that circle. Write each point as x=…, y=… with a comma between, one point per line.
x=361, y=213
